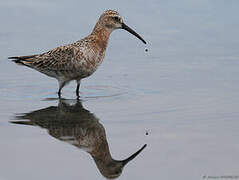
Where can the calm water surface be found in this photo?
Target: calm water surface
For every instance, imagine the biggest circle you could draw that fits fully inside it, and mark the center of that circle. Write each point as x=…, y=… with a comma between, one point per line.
x=182, y=93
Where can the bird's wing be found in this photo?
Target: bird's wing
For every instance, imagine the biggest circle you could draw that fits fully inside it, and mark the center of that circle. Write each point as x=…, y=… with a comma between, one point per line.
x=60, y=58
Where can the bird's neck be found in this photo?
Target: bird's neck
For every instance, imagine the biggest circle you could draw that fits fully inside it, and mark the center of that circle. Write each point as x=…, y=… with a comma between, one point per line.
x=101, y=35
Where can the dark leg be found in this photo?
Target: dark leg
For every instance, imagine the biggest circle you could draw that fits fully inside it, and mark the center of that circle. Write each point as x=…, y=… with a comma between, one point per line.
x=61, y=85
x=78, y=88
x=59, y=93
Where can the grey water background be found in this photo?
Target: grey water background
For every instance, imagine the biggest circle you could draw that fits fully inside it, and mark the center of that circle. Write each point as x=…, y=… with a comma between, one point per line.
x=183, y=91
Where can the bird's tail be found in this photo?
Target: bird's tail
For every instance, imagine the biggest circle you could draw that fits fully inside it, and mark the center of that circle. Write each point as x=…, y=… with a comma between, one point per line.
x=22, y=60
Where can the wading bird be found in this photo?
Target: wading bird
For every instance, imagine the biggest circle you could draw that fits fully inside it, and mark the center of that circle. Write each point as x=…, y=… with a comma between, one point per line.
x=80, y=59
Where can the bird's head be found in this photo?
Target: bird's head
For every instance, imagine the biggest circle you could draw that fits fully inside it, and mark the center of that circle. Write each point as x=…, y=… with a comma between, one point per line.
x=112, y=20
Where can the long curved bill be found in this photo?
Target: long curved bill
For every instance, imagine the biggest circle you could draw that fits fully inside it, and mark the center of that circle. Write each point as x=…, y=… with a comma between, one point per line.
x=127, y=28
x=133, y=156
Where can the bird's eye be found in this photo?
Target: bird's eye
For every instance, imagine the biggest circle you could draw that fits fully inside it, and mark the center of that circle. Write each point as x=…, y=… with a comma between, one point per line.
x=116, y=18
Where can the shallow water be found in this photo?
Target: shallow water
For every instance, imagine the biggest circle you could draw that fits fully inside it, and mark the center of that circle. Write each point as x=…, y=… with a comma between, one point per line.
x=182, y=93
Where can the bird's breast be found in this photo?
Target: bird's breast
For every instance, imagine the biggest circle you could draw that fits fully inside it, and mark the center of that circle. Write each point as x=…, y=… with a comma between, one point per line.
x=88, y=60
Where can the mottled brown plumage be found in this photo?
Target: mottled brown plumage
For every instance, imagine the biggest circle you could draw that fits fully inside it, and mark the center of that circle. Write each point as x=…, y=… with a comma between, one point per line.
x=80, y=59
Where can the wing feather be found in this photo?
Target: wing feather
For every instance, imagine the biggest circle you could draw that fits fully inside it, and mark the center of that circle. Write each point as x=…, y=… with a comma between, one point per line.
x=61, y=58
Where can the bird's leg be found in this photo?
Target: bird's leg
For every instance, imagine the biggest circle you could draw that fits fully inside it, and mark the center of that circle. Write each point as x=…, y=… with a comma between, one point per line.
x=61, y=85
x=59, y=93
x=77, y=88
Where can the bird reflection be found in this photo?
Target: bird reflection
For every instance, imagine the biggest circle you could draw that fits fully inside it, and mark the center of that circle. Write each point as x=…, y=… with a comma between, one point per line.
x=73, y=124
